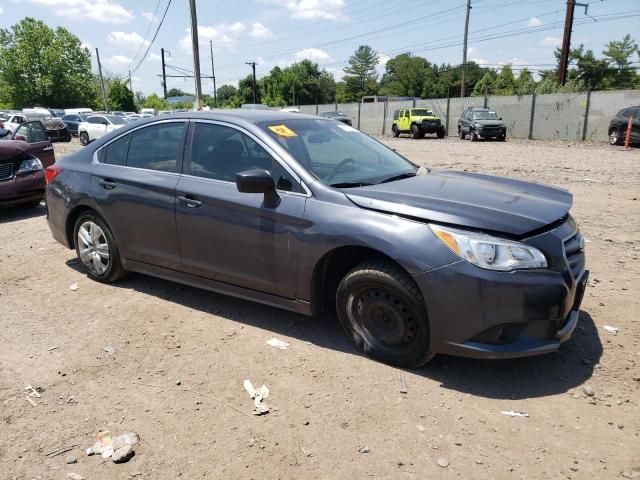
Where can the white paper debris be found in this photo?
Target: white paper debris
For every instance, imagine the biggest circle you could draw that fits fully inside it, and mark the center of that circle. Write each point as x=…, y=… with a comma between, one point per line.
x=611, y=329
x=73, y=287
x=513, y=413
x=280, y=344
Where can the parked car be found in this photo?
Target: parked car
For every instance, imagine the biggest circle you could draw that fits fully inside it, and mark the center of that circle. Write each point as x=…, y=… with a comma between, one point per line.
x=98, y=125
x=306, y=214
x=417, y=122
x=254, y=106
x=118, y=113
x=337, y=115
x=56, y=129
x=619, y=124
x=148, y=111
x=82, y=111
x=15, y=120
x=481, y=123
x=73, y=121
x=290, y=109
x=57, y=112
x=23, y=159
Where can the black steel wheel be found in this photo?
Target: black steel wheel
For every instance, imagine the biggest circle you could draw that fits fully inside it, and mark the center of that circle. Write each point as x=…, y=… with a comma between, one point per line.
x=383, y=312
x=396, y=131
x=84, y=138
x=415, y=132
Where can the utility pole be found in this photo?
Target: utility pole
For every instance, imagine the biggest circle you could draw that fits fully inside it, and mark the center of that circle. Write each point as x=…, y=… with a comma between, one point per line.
x=464, y=51
x=253, y=67
x=164, y=75
x=213, y=75
x=294, y=95
x=196, y=54
x=130, y=84
x=104, y=92
x=566, y=39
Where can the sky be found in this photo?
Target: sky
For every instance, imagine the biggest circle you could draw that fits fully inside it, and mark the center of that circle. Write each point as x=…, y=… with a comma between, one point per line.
x=278, y=32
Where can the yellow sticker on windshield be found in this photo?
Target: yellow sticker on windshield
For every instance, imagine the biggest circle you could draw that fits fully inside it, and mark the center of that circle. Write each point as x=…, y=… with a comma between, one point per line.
x=282, y=131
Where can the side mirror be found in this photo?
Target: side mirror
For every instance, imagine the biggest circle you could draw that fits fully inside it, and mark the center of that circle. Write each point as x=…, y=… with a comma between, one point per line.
x=258, y=180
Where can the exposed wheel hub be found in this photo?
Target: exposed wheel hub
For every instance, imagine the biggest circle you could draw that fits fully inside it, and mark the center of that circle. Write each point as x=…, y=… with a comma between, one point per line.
x=384, y=318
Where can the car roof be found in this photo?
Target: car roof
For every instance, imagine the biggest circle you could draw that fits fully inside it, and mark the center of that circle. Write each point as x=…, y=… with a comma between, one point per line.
x=239, y=114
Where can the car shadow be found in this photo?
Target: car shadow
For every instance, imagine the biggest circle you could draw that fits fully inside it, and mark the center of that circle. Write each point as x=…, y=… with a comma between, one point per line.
x=540, y=376
x=13, y=214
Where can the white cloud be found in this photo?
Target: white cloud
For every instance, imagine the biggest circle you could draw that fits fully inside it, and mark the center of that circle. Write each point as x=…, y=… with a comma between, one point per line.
x=312, y=9
x=258, y=30
x=313, y=54
x=383, y=59
x=551, y=42
x=126, y=40
x=106, y=11
x=117, y=61
x=236, y=28
x=87, y=45
x=534, y=22
x=220, y=34
x=154, y=57
x=1, y=10
x=479, y=61
x=149, y=17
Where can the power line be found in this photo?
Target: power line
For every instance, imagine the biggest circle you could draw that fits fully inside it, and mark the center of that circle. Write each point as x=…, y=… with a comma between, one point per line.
x=153, y=39
x=145, y=35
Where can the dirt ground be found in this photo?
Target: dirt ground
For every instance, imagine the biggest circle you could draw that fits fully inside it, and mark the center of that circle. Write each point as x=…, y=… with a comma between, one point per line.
x=181, y=355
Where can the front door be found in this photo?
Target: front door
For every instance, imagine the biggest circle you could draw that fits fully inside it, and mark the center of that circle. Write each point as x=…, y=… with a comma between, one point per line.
x=234, y=237
x=133, y=184
x=39, y=144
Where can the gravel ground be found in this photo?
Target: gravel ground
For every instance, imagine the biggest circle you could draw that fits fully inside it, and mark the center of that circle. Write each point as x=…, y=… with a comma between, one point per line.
x=179, y=356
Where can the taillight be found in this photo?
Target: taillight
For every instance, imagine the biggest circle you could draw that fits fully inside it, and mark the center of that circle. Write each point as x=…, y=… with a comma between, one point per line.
x=50, y=173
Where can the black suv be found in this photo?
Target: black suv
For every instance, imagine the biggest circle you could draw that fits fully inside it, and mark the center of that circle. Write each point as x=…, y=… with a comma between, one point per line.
x=481, y=123
x=619, y=123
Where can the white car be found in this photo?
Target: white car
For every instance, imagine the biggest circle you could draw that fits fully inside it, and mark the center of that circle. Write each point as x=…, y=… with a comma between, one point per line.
x=98, y=125
x=14, y=121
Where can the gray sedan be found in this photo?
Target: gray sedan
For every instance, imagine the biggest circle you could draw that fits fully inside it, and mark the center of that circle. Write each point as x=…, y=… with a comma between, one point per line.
x=310, y=215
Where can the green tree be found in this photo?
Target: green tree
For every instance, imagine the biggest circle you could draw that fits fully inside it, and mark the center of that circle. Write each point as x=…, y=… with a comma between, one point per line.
x=225, y=93
x=619, y=54
x=360, y=76
x=525, y=84
x=120, y=97
x=505, y=81
x=155, y=102
x=590, y=70
x=139, y=98
x=176, y=92
x=405, y=75
x=43, y=66
x=484, y=86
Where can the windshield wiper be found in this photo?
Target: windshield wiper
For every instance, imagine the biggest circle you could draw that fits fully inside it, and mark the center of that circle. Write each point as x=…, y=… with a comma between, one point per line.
x=350, y=184
x=399, y=177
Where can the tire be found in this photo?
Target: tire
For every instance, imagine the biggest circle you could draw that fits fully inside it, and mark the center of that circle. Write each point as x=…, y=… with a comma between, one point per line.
x=415, y=132
x=474, y=136
x=502, y=138
x=84, y=138
x=396, y=131
x=382, y=311
x=615, y=137
x=93, y=259
x=461, y=133
x=441, y=132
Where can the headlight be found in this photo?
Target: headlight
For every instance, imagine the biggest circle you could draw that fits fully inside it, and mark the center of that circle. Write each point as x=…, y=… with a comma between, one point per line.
x=478, y=126
x=30, y=165
x=489, y=252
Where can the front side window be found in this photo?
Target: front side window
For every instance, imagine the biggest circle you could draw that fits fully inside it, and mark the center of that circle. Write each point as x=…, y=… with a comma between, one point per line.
x=116, y=152
x=156, y=147
x=338, y=155
x=220, y=152
x=116, y=120
x=33, y=132
x=96, y=120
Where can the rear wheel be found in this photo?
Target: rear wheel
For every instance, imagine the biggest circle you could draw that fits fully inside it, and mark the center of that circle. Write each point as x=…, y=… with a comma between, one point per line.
x=382, y=311
x=96, y=249
x=502, y=138
x=441, y=132
x=84, y=138
x=474, y=136
x=461, y=133
x=415, y=132
x=396, y=131
x=615, y=137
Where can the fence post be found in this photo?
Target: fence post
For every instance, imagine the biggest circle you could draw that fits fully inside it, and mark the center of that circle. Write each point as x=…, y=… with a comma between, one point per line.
x=447, y=115
x=336, y=106
x=533, y=112
x=316, y=109
x=586, y=115
x=486, y=98
x=414, y=102
x=384, y=117
x=359, y=104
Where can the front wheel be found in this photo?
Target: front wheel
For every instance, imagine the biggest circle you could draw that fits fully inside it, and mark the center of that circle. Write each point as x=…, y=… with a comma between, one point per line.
x=96, y=249
x=441, y=132
x=396, y=131
x=474, y=136
x=415, y=132
x=461, y=133
x=615, y=138
x=84, y=138
x=381, y=309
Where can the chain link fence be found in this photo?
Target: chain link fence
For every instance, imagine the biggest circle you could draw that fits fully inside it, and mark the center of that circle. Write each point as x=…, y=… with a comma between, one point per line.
x=562, y=116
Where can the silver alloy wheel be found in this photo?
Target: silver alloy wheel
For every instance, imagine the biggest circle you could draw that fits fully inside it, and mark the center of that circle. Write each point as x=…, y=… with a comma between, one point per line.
x=613, y=137
x=93, y=247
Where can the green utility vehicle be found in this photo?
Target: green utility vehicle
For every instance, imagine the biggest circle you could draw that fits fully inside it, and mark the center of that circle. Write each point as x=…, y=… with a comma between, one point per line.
x=417, y=122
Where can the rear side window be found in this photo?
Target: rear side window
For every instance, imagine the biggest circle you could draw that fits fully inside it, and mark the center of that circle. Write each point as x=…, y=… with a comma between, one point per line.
x=157, y=147
x=116, y=152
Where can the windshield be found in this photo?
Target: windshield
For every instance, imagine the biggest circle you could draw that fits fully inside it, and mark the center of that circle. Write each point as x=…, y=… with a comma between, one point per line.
x=485, y=116
x=336, y=154
x=116, y=120
x=421, y=112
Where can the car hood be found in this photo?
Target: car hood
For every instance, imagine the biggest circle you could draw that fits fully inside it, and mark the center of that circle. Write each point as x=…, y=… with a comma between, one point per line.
x=470, y=200
x=490, y=123
x=10, y=149
x=425, y=117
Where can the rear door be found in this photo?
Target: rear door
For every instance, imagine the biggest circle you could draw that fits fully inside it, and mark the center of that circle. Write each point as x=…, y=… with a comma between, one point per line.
x=40, y=145
x=234, y=237
x=133, y=183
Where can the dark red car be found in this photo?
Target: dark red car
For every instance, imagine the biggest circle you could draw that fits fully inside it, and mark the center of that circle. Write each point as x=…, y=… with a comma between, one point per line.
x=23, y=157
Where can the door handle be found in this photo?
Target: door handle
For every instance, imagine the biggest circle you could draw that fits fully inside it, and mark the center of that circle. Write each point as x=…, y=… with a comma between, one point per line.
x=48, y=149
x=107, y=184
x=189, y=201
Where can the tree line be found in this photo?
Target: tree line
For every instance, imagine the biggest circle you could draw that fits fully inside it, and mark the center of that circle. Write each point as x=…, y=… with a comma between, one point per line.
x=41, y=66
